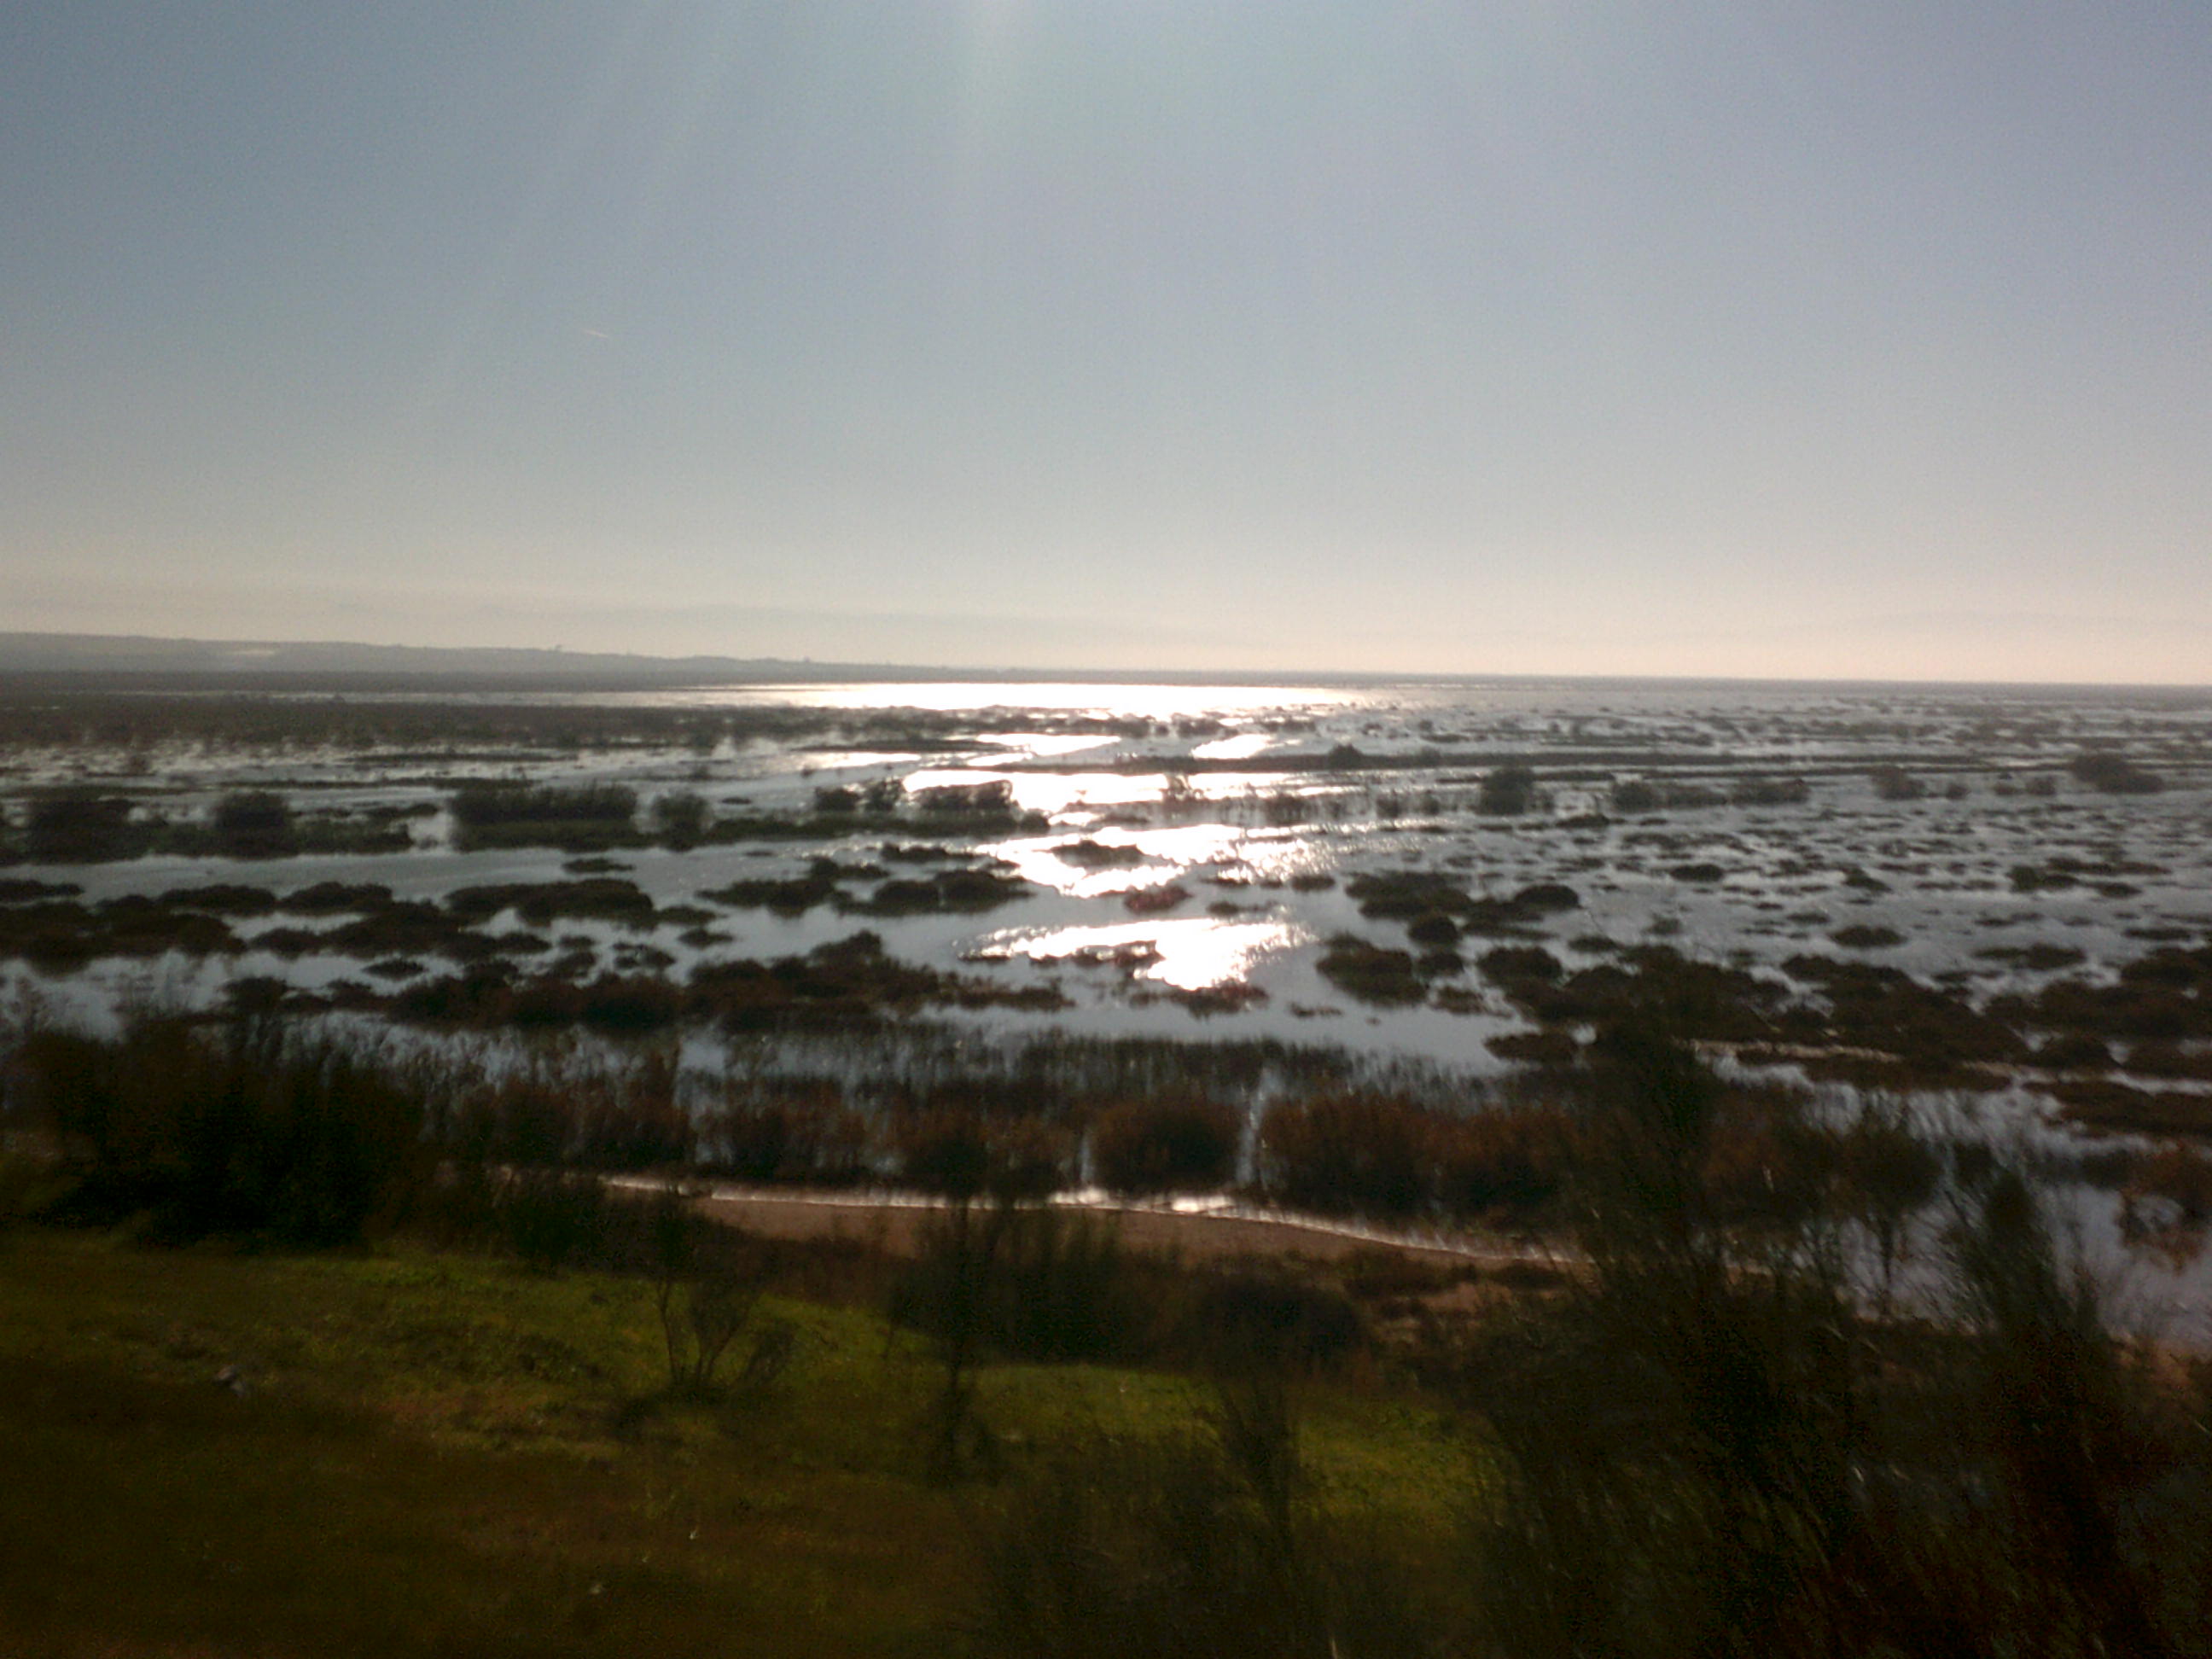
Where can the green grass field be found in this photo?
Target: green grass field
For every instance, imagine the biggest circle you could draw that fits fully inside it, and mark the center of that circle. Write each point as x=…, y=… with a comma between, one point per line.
x=441, y=1454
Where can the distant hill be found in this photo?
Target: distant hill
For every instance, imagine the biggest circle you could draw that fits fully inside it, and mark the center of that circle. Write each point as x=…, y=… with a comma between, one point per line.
x=133, y=657
x=87, y=661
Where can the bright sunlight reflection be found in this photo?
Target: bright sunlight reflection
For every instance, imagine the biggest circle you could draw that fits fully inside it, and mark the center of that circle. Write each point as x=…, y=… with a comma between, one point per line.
x=1192, y=955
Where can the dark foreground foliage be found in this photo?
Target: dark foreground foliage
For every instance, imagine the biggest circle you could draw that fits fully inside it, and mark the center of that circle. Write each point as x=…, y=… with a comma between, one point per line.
x=307, y=1143
x=1797, y=1385
x=1709, y=1439
x=1708, y=1446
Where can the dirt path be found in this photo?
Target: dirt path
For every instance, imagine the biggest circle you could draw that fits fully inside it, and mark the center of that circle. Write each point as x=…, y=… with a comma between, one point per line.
x=894, y=1222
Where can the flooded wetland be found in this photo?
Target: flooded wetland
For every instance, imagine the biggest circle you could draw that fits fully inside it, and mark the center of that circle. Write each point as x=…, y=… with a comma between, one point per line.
x=1994, y=901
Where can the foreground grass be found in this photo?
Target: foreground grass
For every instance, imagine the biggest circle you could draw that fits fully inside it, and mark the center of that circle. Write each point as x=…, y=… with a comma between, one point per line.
x=438, y=1454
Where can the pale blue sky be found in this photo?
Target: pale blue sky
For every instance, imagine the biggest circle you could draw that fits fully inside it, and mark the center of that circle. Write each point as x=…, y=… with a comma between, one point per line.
x=1868, y=340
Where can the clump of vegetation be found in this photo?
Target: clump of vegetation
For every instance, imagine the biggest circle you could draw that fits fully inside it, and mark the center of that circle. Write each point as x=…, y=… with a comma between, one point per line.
x=80, y=825
x=1169, y=1143
x=1519, y=965
x=1705, y=1372
x=846, y=983
x=1424, y=898
x=1644, y=795
x=222, y=899
x=2111, y=774
x=966, y=890
x=326, y=899
x=576, y=818
x=1895, y=783
x=707, y=1282
x=1408, y=894
x=789, y=895
x=1770, y=792
x=1371, y=972
x=1088, y=855
x=247, y=1131
x=1357, y=1153
x=804, y=1133
x=978, y=808
x=1861, y=936
x=62, y=935
x=1387, y=1158
x=23, y=889
x=1507, y=792
x=541, y=903
x=254, y=823
x=681, y=817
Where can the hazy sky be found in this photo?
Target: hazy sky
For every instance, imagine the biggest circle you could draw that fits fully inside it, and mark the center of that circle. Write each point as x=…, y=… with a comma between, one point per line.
x=1866, y=338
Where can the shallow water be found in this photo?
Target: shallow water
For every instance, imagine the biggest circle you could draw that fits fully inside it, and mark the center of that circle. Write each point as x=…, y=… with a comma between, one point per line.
x=1257, y=802
x=1183, y=781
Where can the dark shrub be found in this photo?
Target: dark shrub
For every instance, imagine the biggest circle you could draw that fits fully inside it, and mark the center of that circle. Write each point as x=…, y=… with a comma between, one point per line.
x=1507, y=792
x=1360, y=1154
x=1540, y=898
x=1434, y=929
x=1369, y=972
x=1166, y=1144
x=682, y=817
x=2114, y=775
x=963, y=1154
x=991, y=800
x=552, y=1218
x=1510, y=1160
x=804, y=1134
x=1248, y=1319
x=254, y=823
x=634, y=1123
x=1509, y=965
x=583, y=817
x=260, y=1134
x=1064, y=1290
x=81, y=826
x=1536, y=1047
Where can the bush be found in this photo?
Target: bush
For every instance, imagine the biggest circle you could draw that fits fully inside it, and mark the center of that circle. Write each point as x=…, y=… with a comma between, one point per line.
x=254, y=823
x=1358, y=1154
x=804, y=1134
x=2114, y=775
x=964, y=1156
x=1166, y=1144
x=552, y=1218
x=682, y=817
x=1249, y=1319
x=1514, y=1161
x=1705, y=1446
x=82, y=826
x=1371, y=972
x=255, y=1132
x=708, y=1281
x=1041, y=1284
x=1507, y=792
x=583, y=817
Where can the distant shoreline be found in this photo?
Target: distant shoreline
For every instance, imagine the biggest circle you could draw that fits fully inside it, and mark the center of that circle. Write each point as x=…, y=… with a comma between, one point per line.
x=147, y=664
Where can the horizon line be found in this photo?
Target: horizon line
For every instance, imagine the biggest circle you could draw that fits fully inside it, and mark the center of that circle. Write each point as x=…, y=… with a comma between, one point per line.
x=237, y=659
